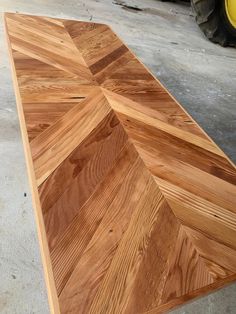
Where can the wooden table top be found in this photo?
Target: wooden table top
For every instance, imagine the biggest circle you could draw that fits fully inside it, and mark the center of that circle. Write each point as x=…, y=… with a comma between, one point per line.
x=135, y=204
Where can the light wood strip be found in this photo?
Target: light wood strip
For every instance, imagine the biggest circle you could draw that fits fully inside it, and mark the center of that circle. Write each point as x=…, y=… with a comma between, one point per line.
x=200, y=214
x=175, y=193
x=99, y=45
x=52, y=146
x=216, y=271
x=60, y=52
x=83, y=30
x=38, y=117
x=190, y=178
x=120, y=106
x=148, y=96
x=159, y=143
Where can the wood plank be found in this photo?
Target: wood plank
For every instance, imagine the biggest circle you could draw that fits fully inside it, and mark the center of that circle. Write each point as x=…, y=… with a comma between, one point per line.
x=78, y=175
x=52, y=146
x=122, y=107
x=83, y=231
x=186, y=271
x=50, y=45
x=199, y=213
x=135, y=204
x=125, y=198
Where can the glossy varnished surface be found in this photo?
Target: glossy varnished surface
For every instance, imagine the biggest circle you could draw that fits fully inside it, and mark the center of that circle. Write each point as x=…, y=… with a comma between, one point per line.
x=138, y=204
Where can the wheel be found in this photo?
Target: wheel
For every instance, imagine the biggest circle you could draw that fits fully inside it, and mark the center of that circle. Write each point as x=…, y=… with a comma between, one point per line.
x=217, y=20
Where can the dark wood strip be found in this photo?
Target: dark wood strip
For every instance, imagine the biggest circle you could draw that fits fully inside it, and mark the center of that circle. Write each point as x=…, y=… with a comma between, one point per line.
x=81, y=230
x=150, y=278
x=73, y=182
x=108, y=59
x=104, y=243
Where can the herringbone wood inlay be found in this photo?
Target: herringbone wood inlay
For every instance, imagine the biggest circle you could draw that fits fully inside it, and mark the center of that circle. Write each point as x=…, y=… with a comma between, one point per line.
x=136, y=206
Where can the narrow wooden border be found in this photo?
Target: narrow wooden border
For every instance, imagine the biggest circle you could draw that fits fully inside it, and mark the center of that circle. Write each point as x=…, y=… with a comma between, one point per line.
x=47, y=266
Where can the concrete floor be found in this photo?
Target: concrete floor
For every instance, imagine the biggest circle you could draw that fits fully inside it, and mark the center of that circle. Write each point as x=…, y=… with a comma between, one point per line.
x=201, y=75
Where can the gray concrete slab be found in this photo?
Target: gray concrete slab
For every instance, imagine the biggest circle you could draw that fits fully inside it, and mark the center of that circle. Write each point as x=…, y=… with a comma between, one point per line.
x=201, y=75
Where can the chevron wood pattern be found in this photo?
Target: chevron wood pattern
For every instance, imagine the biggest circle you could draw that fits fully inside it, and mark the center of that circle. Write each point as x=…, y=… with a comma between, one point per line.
x=136, y=205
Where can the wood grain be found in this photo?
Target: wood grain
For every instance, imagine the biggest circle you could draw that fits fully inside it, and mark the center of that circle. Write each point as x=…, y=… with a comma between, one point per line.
x=136, y=205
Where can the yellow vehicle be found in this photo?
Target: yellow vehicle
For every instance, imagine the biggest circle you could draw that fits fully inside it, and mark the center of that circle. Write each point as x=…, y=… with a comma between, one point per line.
x=217, y=20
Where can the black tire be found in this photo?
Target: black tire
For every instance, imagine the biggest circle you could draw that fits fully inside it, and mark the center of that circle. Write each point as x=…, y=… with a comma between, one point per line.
x=213, y=21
